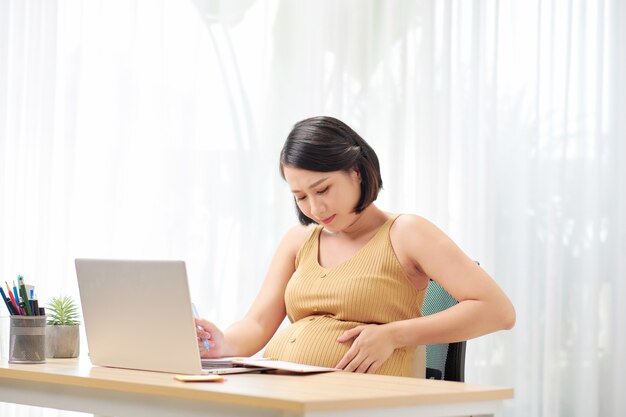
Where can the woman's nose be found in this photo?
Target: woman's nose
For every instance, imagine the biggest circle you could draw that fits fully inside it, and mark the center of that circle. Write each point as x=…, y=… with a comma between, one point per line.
x=318, y=208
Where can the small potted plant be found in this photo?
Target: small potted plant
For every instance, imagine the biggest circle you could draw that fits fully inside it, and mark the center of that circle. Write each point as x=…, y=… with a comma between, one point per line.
x=62, y=331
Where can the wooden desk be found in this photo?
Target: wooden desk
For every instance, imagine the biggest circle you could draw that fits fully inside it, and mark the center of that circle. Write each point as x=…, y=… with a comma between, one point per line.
x=76, y=385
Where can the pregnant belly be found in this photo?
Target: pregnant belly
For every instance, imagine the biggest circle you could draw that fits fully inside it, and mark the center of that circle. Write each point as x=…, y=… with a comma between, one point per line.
x=313, y=341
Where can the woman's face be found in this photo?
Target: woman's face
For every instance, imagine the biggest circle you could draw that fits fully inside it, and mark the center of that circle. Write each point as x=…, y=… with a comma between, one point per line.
x=328, y=198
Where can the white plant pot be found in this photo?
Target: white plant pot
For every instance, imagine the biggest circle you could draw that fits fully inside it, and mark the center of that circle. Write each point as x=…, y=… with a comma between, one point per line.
x=62, y=341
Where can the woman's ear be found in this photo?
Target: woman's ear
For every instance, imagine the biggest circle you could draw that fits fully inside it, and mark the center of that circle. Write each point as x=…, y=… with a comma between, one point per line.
x=356, y=174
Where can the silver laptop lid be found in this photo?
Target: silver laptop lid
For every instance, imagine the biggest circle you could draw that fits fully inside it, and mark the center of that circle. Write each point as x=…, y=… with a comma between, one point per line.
x=138, y=315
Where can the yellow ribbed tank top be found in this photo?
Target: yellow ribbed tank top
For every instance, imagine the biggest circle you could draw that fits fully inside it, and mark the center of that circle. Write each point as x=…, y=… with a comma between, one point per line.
x=322, y=303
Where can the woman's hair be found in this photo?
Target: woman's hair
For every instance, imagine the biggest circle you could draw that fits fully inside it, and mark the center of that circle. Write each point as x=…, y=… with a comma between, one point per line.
x=325, y=144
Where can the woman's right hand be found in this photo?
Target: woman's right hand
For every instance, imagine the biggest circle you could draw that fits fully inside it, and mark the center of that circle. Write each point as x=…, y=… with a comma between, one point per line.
x=208, y=331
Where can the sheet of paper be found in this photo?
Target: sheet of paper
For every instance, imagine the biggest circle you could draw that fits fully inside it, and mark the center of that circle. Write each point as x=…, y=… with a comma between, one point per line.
x=225, y=361
x=282, y=365
x=199, y=378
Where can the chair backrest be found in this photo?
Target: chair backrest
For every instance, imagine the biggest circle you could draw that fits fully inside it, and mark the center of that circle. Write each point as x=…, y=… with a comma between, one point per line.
x=447, y=360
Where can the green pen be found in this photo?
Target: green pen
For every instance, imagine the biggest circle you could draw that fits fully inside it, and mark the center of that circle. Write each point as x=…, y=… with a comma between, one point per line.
x=20, y=282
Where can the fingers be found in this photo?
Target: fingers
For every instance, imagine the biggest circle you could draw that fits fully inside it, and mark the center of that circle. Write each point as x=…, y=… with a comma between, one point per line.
x=370, y=349
x=350, y=334
x=347, y=358
x=374, y=367
x=351, y=354
x=205, y=329
x=360, y=363
x=204, y=352
x=355, y=361
x=205, y=324
x=210, y=339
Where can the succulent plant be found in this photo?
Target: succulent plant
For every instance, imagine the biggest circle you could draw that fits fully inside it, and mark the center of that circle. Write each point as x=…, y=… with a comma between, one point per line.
x=62, y=311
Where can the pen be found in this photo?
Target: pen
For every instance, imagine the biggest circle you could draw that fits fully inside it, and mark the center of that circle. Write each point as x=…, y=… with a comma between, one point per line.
x=14, y=310
x=13, y=300
x=20, y=281
x=195, y=314
x=7, y=301
x=17, y=297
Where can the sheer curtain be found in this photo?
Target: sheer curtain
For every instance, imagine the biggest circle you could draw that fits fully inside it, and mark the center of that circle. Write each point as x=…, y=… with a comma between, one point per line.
x=151, y=129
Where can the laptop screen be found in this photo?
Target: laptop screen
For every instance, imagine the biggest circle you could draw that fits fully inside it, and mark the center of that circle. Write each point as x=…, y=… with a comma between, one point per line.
x=138, y=314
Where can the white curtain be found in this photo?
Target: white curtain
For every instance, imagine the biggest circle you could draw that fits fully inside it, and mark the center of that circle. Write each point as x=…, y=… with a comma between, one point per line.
x=151, y=129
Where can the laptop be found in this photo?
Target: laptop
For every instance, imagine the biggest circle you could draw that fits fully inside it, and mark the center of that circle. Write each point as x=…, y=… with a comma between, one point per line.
x=138, y=315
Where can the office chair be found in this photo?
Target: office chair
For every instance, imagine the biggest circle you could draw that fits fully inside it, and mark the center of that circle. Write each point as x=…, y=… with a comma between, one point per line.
x=444, y=361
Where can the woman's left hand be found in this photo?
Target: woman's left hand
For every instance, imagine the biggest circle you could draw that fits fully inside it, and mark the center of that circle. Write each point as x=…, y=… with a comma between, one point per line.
x=372, y=346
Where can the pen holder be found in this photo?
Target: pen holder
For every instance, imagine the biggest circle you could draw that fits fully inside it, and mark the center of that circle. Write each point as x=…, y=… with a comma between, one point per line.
x=27, y=340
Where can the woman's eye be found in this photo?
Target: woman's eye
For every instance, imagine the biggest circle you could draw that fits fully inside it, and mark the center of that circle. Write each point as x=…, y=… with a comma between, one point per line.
x=323, y=191
x=300, y=198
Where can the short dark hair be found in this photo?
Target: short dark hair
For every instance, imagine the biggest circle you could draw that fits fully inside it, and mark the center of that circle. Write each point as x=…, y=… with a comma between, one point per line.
x=326, y=144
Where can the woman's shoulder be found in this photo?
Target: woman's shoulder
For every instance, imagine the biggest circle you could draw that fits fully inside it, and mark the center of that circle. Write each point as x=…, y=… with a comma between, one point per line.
x=295, y=237
x=411, y=221
x=412, y=228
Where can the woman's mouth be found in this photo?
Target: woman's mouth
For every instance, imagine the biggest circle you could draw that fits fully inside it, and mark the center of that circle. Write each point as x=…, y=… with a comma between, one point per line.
x=328, y=219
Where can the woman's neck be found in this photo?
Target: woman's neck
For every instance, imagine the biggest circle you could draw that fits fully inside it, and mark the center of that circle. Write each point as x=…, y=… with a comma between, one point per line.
x=365, y=223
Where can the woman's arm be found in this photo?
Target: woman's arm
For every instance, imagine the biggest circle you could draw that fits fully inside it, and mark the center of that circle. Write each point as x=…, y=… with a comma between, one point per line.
x=483, y=307
x=249, y=335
